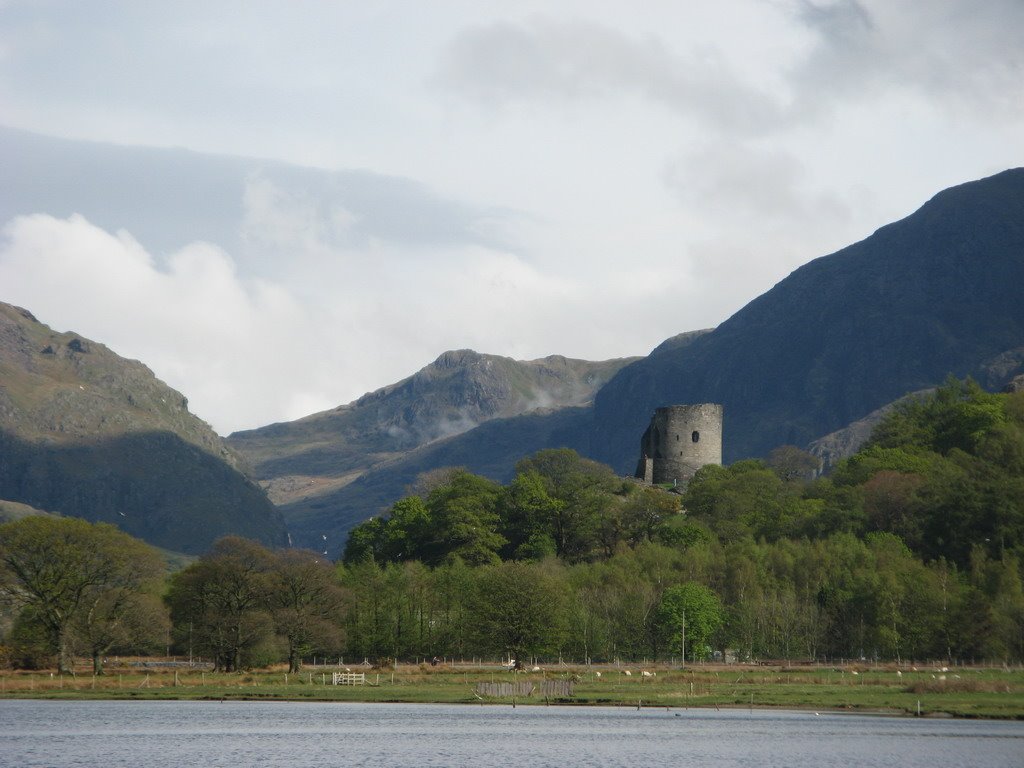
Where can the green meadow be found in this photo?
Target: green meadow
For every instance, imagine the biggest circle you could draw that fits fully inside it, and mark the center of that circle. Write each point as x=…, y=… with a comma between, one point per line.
x=932, y=692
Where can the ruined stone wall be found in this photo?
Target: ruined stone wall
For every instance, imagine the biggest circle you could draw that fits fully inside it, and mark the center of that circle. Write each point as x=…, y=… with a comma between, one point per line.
x=681, y=439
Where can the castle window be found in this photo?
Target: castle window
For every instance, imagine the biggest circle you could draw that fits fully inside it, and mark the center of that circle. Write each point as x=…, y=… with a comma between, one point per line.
x=695, y=436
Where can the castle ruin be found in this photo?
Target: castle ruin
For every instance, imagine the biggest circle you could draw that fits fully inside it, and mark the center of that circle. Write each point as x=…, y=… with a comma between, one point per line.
x=680, y=440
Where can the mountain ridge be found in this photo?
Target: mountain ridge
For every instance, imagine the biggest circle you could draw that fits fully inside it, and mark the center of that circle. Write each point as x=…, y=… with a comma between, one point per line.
x=460, y=390
x=87, y=433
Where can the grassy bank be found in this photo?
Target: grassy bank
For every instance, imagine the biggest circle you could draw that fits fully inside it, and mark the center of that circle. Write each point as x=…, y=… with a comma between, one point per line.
x=961, y=692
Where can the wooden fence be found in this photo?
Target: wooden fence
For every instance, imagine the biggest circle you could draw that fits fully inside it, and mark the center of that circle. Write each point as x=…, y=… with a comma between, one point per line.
x=349, y=678
x=561, y=689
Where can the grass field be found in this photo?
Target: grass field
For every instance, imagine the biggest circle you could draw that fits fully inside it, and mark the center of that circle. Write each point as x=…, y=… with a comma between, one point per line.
x=960, y=692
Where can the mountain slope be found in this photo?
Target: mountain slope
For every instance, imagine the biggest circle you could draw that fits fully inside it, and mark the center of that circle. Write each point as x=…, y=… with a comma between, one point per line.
x=936, y=293
x=84, y=432
x=491, y=449
x=452, y=395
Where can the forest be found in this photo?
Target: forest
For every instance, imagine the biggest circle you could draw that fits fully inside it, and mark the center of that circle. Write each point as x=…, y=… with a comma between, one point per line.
x=908, y=550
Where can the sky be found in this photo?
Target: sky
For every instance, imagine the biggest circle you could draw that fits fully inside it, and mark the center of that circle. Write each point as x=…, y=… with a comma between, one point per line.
x=279, y=206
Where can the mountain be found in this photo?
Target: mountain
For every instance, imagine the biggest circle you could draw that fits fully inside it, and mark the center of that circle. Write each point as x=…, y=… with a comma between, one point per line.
x=934, y=294
x=330, y=470
x=86, y=433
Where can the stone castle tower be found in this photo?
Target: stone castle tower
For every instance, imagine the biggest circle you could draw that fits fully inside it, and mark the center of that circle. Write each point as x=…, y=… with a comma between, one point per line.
x=680, y=440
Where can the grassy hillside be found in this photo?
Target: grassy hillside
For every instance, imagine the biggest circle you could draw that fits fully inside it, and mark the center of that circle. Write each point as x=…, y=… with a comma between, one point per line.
x=87, y=433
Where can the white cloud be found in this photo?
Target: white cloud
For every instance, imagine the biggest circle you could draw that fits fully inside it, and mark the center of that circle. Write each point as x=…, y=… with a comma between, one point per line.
x=196, y=323
x=251, y=351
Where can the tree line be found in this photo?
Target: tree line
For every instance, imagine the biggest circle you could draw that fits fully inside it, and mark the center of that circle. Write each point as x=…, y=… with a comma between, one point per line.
x=910, y=549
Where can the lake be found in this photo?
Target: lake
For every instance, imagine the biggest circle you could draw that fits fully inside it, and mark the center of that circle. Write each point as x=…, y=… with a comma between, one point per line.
x=111, y=734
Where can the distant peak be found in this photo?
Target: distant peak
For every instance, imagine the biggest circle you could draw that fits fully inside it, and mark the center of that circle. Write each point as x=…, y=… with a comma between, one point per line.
x=457, y=358
x=19, y=311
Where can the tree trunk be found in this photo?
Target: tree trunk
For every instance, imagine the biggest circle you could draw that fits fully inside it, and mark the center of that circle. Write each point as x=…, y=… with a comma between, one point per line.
x=65, y=662
x=294, y=660
x=97, y=662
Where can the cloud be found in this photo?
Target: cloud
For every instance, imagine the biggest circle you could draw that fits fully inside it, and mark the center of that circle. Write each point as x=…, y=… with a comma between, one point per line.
x=194, y=321
x=952, y=54
x=554, y=61
x=754, y=184
x=247, y=351
x=760, y=207
x=257, y=210
x=289, y=209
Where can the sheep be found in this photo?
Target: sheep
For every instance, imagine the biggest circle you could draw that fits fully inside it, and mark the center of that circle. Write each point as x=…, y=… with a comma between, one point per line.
x=597, y=675
x=645, y=673
x=627, y=673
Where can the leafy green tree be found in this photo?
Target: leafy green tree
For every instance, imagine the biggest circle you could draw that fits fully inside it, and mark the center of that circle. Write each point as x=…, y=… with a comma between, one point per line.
x=582, y=488
x=690, y=615
x=452, y=584
x=999, y=592
x=221, y=603
x=646, y=511
x=68, y=570
x=874, y=458
x=27, y=643
x=465, y=521
x=527, y=511
x=407, y=531
x=519, y=609
x=366, y=541
x=366, y=619
x=744, y=500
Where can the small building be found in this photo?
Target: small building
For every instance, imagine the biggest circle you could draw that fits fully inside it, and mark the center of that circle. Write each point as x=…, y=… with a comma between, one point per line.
x=680, y=440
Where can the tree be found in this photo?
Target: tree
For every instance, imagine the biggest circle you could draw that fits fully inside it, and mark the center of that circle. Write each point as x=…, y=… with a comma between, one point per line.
x=582, y=488
x=645, y=511
x=223, y=601
x=407, y=531
x=70, y=571
x=306, y=602
x=891, y=504
x=365, y=541
x=121, y=618
x=518, y=608
x=690, y=614
x=465, y=521
x=791, y=463
x=527, y=511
